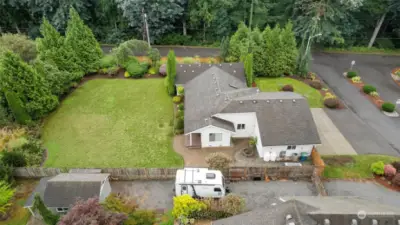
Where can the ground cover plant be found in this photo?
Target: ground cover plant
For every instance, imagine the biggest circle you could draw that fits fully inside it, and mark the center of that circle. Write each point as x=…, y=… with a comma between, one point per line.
x=354, y=166
x=312, y=95
x=112, y=123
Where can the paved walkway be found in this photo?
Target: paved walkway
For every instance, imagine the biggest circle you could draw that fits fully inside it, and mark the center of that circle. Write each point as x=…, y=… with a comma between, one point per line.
x=331, y=72
x=333, y=142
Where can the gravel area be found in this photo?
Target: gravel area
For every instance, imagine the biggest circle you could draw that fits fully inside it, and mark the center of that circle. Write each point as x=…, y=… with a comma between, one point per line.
x=158, y=194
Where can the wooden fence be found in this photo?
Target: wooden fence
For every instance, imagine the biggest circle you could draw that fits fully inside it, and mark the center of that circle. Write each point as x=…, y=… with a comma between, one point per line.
x=234, y=173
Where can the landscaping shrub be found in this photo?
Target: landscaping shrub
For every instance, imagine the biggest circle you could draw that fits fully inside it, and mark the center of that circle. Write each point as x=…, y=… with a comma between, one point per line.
x=368, y=89
x=331, y=103
x=389, y=170
x=232, y=204
x=218, y=160
x=18, y=110
x=388, y=107
x=48, y=217
x=120, y=203
x=112, y=71
x=287, y=87
x=378, y=168
x=13, y=159
x=180, y=90
x=179, y=123
x=141, y=217
x=126, y=74
x=316, y=84
x=5, y=118
x=356, y=79
x=108, y=61
x=152, y=71
x=154, y=56
x=181, y=107
x=396, y=179
x=311, y=75
x=32, y=152
x=374, y=94
x=209, y=214
x=396, y=165
x=163, y=70
x=185, y=205
x=6, y=194
x=6, y=173
x=136, y=70
x=188, y=60
x=351, y=74
x=179, y=114
x=176, y=99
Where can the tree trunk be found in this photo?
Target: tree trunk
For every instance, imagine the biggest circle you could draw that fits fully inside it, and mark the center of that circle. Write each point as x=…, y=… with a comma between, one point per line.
x=17, y=28
x=376, y=31
x=184, y=27
x=204, y=32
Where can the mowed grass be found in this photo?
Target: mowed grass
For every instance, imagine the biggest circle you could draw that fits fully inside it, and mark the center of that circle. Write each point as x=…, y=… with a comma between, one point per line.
x=358, y=167
x=314, y=97
x=112, y=123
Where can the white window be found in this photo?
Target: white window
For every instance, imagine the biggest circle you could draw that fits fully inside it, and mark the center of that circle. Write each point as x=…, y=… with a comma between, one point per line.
x=62, y=210
x=291, y=147
x=215, y=137
x=241, y=126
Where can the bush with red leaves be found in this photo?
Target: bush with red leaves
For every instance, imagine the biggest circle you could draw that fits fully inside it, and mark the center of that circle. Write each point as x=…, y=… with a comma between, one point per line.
x=390, y=171
x=288, y=87
x=396, y=165
x=163, y=70
x=91, y=212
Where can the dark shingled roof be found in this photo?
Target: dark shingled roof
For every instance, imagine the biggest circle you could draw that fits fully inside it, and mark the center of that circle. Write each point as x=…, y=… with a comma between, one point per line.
x=64, y=189
x=284, y=118
x=311, y=210
x=186, y=72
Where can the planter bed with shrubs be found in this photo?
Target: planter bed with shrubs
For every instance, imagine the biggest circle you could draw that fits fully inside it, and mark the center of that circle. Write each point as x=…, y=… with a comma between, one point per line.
x=388, y=174
x=372, y=94
x=396, y=75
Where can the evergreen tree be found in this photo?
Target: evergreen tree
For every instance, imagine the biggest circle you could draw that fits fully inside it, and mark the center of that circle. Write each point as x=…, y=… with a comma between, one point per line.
x=289, y=48
x=48, y=217
x=171, y=72
x=82, y=41
x=248, y=66
x=53, y=50
x=16, y=106
x=262, y=53
x=20, y=78
x=239, y=43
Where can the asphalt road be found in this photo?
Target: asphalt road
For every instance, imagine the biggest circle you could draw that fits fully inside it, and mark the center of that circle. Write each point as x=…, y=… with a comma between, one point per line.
x=180, y=51
x=158, y=194
x=362, y=123
x=367, y=190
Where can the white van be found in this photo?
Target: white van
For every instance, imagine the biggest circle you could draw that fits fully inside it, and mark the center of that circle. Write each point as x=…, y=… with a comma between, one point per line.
x=200, y=183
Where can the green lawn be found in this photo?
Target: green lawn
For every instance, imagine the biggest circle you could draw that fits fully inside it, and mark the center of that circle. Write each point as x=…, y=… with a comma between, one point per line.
x=355, y=166
x=315, y=99
x=112, y=123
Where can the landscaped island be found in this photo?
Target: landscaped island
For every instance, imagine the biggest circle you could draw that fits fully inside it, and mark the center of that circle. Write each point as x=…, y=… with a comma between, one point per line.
x=112, y=123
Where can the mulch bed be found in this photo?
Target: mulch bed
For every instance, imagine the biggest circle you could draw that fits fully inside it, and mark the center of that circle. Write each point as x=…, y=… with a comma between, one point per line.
x=385, y=182
x=377, y=100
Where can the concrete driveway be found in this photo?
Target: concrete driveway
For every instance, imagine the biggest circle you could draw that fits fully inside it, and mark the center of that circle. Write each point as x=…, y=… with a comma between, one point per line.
x=368, y=190
x=333, y=142
x=158, y=194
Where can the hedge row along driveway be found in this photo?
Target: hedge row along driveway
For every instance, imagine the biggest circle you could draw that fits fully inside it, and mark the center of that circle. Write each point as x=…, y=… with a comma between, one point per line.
x=112, y=123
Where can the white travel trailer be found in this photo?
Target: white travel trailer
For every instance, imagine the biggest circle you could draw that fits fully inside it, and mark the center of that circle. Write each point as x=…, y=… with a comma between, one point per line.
x=200, y=183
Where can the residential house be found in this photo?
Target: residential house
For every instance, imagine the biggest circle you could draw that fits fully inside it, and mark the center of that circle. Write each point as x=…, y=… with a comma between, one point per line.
x=311, y=210
x=219, y=106
x=60, y=192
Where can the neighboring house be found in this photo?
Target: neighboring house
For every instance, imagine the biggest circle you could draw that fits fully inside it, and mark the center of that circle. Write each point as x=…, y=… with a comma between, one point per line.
x=319, y=211
x=219, y=106
x=60, y=192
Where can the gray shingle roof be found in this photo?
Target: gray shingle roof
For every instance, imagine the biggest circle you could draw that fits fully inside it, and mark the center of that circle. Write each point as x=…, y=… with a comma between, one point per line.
x=310, y=210
x=39, y=189
x=284, y=118
x=186, y=72
x=205, y=94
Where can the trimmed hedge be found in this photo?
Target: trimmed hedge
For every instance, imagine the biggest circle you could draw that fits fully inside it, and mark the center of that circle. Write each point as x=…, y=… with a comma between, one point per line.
x=388, y=107
x=368, y=89
x=351, y=74
x=136, y=70
x=288, y=87
x=331, y=103
x=18, y=110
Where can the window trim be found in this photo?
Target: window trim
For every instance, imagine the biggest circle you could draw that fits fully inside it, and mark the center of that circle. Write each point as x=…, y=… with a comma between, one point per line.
x=61, y=209
x=241, y=126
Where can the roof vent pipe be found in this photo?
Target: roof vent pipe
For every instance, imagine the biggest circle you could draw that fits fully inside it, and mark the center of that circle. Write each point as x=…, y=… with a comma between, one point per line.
x=258, y=90
x=241, y=102
x=327, y=222
x=354, y=222
x=234, y=71
x=190, y=65
x=181, y=65
x=289, y=217
x=281, y=100
x=192, y=71
x=374, y=222
x=230, y=64
x=267, y=101
x=184, y=71
x=254, y=101
x=294, y=100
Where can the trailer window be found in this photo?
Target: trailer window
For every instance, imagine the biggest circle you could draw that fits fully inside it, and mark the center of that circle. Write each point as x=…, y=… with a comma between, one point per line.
x=217, y=189
x=184, y=188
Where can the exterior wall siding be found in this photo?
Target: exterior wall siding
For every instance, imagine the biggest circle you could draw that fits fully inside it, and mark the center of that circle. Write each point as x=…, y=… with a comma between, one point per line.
x=205, y=133
x=259, y=142
x=299, y=149
x=249, y=119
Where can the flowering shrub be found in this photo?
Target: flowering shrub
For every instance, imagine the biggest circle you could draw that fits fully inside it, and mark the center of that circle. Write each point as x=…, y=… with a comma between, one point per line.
x=180, y=90
x=378, y=168
x=374, y=94
x=389, y=170
x=329, y=95
x=126, y=74
x=184, y=205
x=356, y=79
x=176, y=99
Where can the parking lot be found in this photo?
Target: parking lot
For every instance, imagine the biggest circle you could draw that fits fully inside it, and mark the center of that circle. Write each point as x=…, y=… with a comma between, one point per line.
x=158, y=194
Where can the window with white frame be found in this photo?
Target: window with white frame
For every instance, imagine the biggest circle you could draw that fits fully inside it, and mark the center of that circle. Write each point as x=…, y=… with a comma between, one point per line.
x=241, y=126
x=215, y=137
x=291, y=147
x=61, y=210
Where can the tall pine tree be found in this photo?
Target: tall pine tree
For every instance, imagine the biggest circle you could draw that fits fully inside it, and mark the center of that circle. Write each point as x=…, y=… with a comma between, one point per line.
x=53, y=50
x=248, y=66
x=289, y=48
x=19, y=77
x=82, y=41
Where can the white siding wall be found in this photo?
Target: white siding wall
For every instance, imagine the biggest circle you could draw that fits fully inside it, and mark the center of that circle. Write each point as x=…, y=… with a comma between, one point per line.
x=105, y=191
x=299, y=149
x=205, y=137
x=259, y=142
x=249, y=119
